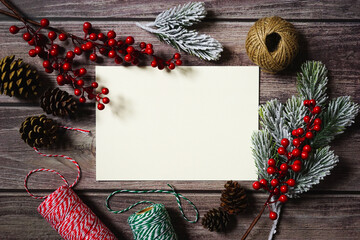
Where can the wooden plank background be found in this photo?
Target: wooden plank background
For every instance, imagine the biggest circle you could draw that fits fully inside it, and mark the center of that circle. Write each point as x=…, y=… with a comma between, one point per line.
x=330, y=32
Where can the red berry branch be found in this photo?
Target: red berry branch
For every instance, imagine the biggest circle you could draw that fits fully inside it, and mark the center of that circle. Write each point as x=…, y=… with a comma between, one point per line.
x=279, y=170
x=121, y=50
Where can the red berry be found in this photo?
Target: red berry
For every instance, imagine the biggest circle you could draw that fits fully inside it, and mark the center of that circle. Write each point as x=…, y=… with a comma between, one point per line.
x=307, y=148
x=55, y=66
x=296, y=142
x=177, y=56
x=62, y=36
x=49, y=70
x=101, y=36
x=70, y=55
x=128, y=58
x=112, y=42
x=276, y=191
x=129, y=40
x=82, y=71
x=102, y=51
x=149, y=45
x=130, y=49
x=89, y=45
x=120, y=43
x=171, y=66
x=47, y=64
x=285, y=142
x=106, y=100
x=300, y=131
x=118, y=60
x=274, y=182
x=284, y=167
x=66, y=66
x=281, y=150
x=105, y=91
x=77, y=92
x=263, y=182
x=38, y=49
x=93, y=36
x=149, y=51
x=316, y=110
x=306, y=119
x=271, y=162
x=60, y=80
x=54, y=52
x=93, y=57
x=256, y=185
x=14, y=29
x=306, y=102
x=284, y=189
x=112, y=54
x=111, y=34
x=101, y=106
x=273, y=215
x=309, y=135
x=83, y=47
x=77, y=51
x=283, y=198
x=44, y=22
x=82, y=100
x=178, y=62
x=317, y=128
x=80, y=82
x=31, y=42
x=297, y=162
x=27, y=36
x=312, y=102
x=52, y=35
x=271, y=170
x=294, y=132
x=296, y=167
x=142, y=45
x=304, y=155
x=296, y=152
x=87, y=26
x=317, y=121
x=94, y=84
x=154, y=63
x=291, y=182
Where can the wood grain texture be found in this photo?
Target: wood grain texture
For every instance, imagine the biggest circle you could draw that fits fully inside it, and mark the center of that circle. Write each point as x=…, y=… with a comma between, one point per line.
x=218, y=9
x=311, y=217
x=329, y=32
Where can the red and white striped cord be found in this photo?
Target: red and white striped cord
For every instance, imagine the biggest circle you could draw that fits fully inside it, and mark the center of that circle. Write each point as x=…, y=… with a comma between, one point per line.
x=76, y=129
x=53, y=171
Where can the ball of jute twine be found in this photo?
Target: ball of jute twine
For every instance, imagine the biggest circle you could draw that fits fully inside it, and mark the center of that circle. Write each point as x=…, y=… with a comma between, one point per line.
x=272, y=43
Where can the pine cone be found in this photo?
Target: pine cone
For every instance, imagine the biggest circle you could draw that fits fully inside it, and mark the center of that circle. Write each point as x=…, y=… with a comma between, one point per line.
x=17, y=78
x=58, y=103
x=39, y=131
x=216, y=219
x=233, y=198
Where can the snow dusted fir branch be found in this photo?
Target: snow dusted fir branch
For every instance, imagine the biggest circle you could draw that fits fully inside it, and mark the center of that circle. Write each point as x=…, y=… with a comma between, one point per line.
x=279, y=144
x=170, y=27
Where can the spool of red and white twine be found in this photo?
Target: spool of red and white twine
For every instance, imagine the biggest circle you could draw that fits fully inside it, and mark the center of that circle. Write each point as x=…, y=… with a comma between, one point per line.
x=65, y=211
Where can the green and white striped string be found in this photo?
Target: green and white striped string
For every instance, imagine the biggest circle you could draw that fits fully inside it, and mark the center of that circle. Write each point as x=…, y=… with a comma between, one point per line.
x=152, y=222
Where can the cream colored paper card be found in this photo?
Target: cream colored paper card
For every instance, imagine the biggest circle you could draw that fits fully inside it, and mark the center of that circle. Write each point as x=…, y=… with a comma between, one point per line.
x=193, y=123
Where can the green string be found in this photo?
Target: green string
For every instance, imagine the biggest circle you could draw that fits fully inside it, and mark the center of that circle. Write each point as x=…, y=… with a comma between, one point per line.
x=173, y=192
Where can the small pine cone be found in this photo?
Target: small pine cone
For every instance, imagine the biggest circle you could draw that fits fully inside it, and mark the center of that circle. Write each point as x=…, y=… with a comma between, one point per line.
x=58, y=103
x=39, y=131
x=216, y=219
x=17, y=78
x=233, y=198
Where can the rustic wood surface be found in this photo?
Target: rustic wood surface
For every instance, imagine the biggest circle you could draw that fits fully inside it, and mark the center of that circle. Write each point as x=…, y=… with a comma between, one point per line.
x=329, y=31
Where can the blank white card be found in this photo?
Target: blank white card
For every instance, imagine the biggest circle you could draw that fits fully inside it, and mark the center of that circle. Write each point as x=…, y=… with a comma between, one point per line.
x=193, y=123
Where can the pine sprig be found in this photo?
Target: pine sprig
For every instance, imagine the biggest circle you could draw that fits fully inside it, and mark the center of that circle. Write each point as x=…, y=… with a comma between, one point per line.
x=170, y=27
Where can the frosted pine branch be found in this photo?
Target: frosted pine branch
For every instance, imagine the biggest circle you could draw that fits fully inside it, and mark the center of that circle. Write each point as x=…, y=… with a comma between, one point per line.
x=169, y=27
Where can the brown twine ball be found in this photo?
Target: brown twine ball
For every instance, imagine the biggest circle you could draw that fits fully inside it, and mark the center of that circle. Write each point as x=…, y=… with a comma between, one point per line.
x=272, y=43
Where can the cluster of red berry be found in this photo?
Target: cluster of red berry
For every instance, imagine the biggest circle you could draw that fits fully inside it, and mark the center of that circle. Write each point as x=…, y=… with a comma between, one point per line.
x=107, y=45
x=300, y=152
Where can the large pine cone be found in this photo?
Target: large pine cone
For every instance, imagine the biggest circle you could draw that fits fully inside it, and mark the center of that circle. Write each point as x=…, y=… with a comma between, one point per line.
x=17, y=78
x=216, y=219
x=58, y=103
x=233, y=198
x=39, y=131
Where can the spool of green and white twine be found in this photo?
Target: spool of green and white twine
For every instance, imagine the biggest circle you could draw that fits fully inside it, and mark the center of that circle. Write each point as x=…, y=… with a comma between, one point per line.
x=153, y=222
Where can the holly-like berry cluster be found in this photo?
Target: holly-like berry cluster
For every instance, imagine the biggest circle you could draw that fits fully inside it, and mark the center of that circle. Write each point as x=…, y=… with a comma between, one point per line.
x=294, y=153
x=121, y=50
